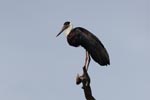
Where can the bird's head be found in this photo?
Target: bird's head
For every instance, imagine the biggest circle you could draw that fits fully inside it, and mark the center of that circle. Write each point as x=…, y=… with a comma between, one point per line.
x=67, y=27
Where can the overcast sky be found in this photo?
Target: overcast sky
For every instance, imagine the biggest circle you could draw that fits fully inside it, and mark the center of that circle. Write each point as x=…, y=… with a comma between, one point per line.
x=35, y=65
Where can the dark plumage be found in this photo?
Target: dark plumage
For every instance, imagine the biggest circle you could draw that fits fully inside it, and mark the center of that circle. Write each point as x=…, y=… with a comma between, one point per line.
x=82, y=37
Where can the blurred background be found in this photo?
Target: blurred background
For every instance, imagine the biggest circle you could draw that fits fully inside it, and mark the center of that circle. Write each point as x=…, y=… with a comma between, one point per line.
x=35, y=65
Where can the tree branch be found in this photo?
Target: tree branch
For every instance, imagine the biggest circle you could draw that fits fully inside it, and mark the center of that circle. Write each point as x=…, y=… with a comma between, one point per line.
x=85, y=80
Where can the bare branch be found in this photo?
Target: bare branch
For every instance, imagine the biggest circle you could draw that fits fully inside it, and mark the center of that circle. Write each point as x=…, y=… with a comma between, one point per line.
x=85, y=80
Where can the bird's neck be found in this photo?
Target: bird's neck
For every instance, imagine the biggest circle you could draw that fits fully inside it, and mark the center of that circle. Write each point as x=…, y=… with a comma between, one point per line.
x=68, y=30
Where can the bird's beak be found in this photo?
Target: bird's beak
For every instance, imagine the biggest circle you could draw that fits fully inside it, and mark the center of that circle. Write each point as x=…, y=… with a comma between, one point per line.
x=63, y=28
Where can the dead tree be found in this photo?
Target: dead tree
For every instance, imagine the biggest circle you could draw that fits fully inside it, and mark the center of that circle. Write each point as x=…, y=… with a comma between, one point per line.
x=85, y=80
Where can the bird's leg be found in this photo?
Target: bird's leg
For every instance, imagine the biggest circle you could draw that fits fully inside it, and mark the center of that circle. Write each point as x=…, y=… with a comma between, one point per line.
x=87, y=60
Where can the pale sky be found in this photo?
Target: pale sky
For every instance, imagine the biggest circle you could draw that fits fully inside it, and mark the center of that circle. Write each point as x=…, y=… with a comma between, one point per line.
x=35, y=65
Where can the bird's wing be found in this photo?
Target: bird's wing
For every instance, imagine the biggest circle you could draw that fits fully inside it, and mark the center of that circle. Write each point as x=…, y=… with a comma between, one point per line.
x=93, y=45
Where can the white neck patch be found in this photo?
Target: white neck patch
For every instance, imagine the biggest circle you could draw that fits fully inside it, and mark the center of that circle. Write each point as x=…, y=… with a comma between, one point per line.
x=68, y=30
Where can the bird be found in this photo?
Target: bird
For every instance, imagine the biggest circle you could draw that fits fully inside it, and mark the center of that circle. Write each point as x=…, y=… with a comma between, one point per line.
x=80, y=36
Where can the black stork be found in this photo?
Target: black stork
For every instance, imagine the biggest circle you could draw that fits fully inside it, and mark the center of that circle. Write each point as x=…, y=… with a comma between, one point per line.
x=81, y=37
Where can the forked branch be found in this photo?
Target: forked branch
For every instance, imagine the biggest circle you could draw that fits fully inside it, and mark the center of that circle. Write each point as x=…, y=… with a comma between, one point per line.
x=85, y=80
